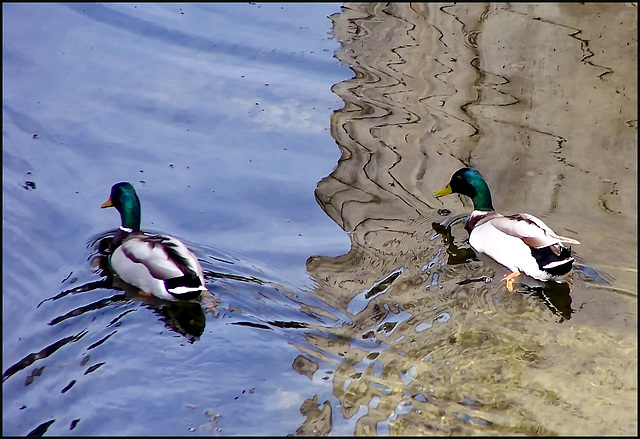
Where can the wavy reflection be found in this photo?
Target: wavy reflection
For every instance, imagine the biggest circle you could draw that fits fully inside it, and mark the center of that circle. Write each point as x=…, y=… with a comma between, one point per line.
x=246, y=298
x=184, y=318
x=43, y=353
x=432, y=343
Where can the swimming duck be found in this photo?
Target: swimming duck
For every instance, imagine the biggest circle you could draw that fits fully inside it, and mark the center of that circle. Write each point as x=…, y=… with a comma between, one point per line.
x=158, y=265
x=520, y=242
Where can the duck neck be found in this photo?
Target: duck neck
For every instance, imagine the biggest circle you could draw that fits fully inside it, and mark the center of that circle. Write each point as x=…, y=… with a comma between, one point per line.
x=482, y=199
x=130, y=219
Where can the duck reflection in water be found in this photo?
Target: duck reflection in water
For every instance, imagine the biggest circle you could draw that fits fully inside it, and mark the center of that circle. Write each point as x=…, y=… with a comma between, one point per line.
x=555, y=296
x=187, y=318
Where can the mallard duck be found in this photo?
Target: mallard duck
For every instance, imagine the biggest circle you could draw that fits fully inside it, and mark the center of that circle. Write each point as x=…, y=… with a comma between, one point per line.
x=520, y=242
x=158, y=265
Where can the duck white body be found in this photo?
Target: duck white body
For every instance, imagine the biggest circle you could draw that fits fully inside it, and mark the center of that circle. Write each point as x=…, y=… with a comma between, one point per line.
x=513, y=240
x=143, y=261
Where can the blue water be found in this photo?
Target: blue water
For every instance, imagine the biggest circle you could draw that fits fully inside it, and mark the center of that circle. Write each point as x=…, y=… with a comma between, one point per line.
x=219, y=115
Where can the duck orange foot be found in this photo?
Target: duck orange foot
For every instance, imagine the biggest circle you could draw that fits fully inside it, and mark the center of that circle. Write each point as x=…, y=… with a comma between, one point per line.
x=210, y=303
x=509, y=278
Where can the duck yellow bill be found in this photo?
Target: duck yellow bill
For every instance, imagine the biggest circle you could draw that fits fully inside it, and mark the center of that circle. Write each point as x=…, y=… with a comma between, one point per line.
x=442, y=192
x=107, y=203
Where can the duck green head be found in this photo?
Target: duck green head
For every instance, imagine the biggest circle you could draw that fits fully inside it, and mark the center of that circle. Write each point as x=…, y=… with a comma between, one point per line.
x=124, y=198
x=469, y=182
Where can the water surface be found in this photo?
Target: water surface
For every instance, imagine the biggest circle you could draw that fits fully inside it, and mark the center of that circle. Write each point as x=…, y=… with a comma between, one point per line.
x=348, y=299
x=219, y=116
x=542, y=100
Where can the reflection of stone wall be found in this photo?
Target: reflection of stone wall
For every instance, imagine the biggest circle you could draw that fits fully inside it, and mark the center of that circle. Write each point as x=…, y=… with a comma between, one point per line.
x=514, y=90
x=535, y=96
x=542, y=100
